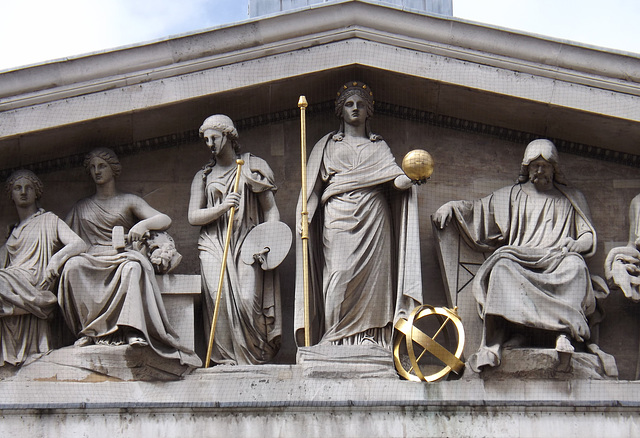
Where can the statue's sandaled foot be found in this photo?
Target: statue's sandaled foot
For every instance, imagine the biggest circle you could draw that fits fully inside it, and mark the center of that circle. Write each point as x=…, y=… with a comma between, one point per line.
x=137, y=341
x=483, y=358
x=565, y=351
x=83, y=341
x=563, y=344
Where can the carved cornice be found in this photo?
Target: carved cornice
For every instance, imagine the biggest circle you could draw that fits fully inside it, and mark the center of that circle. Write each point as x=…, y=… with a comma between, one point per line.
x=387, y=109
x=502, y=133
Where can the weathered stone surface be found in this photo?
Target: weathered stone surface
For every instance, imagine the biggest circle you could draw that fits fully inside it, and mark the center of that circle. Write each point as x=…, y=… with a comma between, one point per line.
x=541, y=364
x=278, y=401
x=95, y=363
x=346, y=362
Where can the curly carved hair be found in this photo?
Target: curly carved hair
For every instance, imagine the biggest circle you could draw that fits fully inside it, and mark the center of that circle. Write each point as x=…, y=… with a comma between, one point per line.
x=24, y=173
x=107, y=155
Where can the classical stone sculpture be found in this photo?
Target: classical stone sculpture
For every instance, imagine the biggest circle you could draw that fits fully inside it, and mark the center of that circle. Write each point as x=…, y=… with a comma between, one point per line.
x=363, y=233
x=160, y=248
x=248, y=328
x=30, y=262
x=537, y=277
x=622, y=266
x=110, y=296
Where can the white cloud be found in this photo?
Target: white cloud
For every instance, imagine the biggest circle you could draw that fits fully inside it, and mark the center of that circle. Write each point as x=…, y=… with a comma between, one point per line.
x=39, y=30
x=611, y=23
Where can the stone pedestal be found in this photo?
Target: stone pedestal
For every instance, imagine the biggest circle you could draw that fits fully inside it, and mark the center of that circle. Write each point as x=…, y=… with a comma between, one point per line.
x=180, y=294
x=346, y=361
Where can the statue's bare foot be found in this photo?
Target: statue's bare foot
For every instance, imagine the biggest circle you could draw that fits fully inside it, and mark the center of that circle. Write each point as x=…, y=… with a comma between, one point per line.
x=137, y=341
x=83, y=341
x=563, y=345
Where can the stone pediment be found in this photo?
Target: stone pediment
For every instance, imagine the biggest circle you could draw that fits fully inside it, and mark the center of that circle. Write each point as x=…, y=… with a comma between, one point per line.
x=448, y=59
x=469, y=93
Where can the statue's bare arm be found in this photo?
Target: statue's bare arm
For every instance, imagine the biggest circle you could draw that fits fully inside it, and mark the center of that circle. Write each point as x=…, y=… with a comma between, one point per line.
x=269, y=208
x=199, y=214
x=72, y=245
x=402, y=182
x=149, y=219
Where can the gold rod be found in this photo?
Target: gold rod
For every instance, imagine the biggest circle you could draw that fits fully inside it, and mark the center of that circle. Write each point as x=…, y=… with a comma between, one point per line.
x=223, y=268
x=304, y=217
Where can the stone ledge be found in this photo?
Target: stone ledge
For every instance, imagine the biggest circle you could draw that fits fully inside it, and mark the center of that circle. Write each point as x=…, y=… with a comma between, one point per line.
x=276, y=400
x=275, y=385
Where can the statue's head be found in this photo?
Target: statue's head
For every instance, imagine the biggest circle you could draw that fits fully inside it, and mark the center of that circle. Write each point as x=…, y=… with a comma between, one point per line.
x=541, y=149
x=354, y=88
x=219, y=122
x=224, y=125
x=348, y=90
x=30, y=176
x=108, y=156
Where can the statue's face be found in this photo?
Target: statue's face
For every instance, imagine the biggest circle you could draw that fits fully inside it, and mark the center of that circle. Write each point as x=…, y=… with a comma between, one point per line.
x=541, y=173
x=215, y=140
x=354, y=111
x=23, y=193
x=100, y=170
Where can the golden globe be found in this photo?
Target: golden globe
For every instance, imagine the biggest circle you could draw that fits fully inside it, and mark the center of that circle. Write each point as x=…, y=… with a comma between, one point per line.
x=418, y=164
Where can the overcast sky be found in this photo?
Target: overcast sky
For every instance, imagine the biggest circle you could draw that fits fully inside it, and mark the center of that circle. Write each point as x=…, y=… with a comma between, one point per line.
x=35, y=31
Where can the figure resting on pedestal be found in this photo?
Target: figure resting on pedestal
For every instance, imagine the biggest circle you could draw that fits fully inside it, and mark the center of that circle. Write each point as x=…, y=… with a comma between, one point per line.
x=30, y=262
x=109, y=296
x=537, y=278
x=364, y=246
x=248, y=328
x=622, y=266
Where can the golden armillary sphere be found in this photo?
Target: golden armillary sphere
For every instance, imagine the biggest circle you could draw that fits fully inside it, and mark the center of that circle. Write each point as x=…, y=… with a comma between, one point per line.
x=433, y=355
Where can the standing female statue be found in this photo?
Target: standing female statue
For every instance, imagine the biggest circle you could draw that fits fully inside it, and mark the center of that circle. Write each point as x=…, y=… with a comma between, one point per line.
x=363, y=235
x=111, y=297
x=248, y=327
x=30, y=261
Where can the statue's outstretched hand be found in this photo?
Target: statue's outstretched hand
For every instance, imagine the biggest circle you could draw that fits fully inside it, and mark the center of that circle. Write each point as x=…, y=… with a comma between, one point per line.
x=443, y=215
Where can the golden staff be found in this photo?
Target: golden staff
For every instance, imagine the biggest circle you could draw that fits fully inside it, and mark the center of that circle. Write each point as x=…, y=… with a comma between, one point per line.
x=302, y=104
x=223, y=268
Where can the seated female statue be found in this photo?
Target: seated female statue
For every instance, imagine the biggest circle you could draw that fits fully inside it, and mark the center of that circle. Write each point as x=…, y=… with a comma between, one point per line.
x=109, y=296
x=30, y=261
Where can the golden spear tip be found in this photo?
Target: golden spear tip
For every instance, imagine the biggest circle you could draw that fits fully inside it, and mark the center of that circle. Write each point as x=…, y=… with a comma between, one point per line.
x=302, y=102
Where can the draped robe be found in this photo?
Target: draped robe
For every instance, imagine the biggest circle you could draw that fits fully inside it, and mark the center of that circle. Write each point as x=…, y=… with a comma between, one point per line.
x=25, y=307
x=529, y=279
x=364, y=246
x=248, y=328
x=101, y=291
